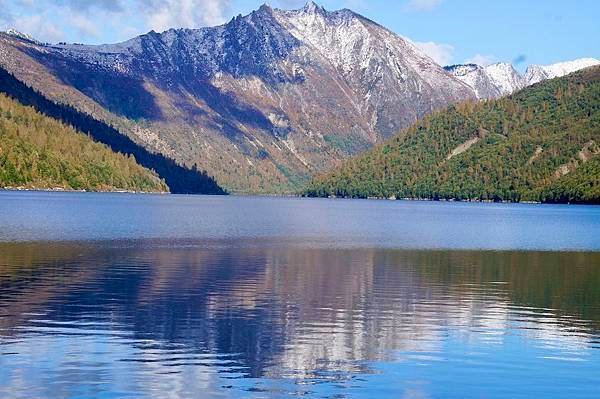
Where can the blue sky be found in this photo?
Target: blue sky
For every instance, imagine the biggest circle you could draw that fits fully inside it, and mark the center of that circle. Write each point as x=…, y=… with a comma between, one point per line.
x=451, y=31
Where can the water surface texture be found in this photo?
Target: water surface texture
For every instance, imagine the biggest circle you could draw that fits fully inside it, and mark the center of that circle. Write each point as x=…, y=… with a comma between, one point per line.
x=26, y=216
x=116, y=296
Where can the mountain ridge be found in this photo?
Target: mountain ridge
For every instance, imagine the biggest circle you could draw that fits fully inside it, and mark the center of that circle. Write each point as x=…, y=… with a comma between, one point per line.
x=539, y=144
x=500, y=79
x=262, y=102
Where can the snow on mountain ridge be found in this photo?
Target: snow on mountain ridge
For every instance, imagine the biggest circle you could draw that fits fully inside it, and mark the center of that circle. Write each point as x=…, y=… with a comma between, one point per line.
x=537, y=73
x=505, y=77
x=278, y=45
x=343, y=37
x=21, y=35
x=502, y=79
x=377, y=63
x=476, y=77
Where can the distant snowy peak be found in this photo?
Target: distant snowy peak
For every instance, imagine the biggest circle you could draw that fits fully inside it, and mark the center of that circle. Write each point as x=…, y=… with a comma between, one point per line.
x=477, y=78
x=312, y=7
x=501, y=79
x=505, y=77
x=492, y=81
x=537, y=73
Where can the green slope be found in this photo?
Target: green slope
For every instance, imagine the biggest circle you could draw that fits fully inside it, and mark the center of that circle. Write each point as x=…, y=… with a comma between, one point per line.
x=541, y=144
x=39, y=152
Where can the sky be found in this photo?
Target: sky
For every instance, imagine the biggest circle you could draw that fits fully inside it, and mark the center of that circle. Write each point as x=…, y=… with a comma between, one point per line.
x=450, y=31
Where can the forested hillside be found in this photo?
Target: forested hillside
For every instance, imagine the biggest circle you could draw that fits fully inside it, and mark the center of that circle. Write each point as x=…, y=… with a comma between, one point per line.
x=180, y=179
x=540, y=144
x=39, y=152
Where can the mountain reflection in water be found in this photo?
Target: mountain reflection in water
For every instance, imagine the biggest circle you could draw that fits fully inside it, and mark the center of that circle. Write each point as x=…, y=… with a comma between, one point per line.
x=231, y=318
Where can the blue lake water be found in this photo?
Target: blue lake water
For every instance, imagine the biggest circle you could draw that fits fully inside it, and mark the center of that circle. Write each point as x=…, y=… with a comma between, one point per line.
x=29, y=216
x=119, y=295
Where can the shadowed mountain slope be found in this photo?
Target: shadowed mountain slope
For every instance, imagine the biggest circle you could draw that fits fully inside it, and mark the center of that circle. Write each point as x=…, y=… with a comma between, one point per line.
x=39, y=152
x=179, y=179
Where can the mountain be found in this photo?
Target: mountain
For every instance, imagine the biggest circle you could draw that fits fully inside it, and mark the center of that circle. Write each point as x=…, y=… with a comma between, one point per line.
x=180, y=179
x=476, y=77
x=40, y=152
x=539, y=144
x=261, y=103
x=500, y=79
x=537, y=73
x=20, y=35
x=505, y=78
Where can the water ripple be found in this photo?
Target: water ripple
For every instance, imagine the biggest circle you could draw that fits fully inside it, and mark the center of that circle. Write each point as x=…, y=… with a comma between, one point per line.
x=231, y=320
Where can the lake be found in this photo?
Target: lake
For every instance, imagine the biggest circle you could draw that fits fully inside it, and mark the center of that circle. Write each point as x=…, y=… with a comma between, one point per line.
x=122, y=295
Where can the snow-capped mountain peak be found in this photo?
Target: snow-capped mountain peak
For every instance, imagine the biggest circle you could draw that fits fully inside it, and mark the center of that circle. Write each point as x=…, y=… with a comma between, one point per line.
x=312, y=7
x=537, y=73
x=505, y=77
x=500, y=79
x=477, y=78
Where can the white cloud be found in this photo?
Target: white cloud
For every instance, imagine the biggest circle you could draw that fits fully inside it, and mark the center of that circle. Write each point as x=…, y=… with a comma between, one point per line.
x=38, y=18
x=90, y=19
x=85, y=25
x=85, y=5
x=440, y=52
x=483, y=60
x=421, y=5
x=5, y=15
x=38, y=26
x=164, y=14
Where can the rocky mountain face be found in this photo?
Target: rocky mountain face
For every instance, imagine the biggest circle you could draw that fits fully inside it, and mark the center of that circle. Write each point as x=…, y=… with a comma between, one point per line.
x=261, y=103
x=500, y=79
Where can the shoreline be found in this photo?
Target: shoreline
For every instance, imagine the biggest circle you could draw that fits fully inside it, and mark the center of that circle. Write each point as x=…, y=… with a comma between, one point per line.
x=454, y=200
x=267, y=195
x=65, y=190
